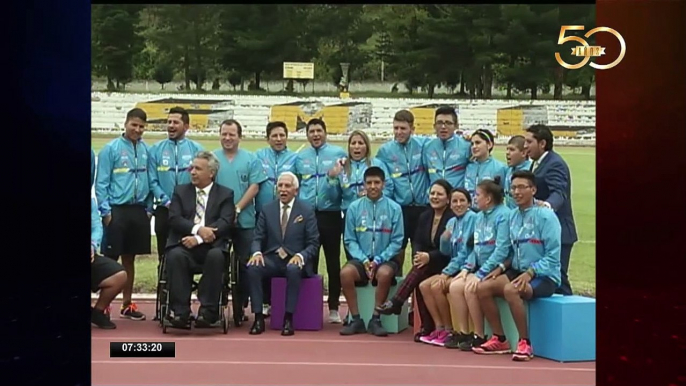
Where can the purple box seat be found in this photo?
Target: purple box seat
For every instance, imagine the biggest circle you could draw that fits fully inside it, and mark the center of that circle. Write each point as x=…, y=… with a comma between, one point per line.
x=309, y=313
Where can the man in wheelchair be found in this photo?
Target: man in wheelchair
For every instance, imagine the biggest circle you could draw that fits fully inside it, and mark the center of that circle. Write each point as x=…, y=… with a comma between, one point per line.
x=200, y=216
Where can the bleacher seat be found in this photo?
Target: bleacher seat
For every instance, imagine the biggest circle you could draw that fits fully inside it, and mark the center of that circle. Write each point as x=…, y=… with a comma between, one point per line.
x=366, y=301
x=562, y=328
x=309, y=312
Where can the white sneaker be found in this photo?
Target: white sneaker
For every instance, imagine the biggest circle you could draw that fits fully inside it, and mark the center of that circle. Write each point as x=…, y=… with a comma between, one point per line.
x=334, y=317
x=266, y=310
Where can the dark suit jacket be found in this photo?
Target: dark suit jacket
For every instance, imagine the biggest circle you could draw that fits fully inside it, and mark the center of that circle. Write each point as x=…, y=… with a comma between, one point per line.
x=302, y=234
x=423, y=241
x=219, y=213
x=554, y=185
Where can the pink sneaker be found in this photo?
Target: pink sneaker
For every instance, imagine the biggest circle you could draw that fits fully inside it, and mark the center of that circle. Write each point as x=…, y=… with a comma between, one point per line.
x=524, y=352
x=493, y=346
x=441, y=338
x=429, y=338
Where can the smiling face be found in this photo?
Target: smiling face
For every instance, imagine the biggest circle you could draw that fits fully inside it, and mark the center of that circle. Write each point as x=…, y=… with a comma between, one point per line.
x=373, y=186
x=229, y=137
x=176, y=129
x=522, y=191
x=459, y=203
x=134, y=129
x=438, y=197
x=402, y=131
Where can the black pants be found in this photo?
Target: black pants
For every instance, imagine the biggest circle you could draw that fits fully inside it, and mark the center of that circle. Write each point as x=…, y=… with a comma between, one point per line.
x=242, y=238
x=565, y=254
x=410, y=220
x=266, y=283
x=161, y=228
x=274, y=267
x=181, y=264
x=330, y=230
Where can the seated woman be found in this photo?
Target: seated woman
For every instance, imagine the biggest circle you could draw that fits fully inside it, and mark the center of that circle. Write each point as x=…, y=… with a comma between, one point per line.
x=428, y=260
x=107, y=276
x=453, y=243
x=535, y=234
x=492, y=249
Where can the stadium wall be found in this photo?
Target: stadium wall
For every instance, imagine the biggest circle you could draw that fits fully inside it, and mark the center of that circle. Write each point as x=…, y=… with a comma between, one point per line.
x=568, y=119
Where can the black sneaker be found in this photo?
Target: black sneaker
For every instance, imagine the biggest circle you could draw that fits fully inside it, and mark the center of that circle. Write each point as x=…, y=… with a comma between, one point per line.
x=375, y=328
x=356, y=326
x=422, y=332
x=102, y=320
x=131, y=312
x=466, y=343
x=454, y=340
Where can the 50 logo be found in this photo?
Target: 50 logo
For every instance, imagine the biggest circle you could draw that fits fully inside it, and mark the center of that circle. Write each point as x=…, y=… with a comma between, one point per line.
x=587, y=51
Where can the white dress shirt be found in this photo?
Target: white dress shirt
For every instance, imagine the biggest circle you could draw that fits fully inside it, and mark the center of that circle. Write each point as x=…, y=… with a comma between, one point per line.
x=194, y=231
x=538, y=161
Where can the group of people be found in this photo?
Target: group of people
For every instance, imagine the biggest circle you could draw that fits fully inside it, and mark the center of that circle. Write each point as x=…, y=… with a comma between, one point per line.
x=477, y=228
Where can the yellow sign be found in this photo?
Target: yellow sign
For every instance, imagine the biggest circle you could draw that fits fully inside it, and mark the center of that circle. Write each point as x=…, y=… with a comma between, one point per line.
x=298, y=70
x=204, y=113
x=585, y=50
x=340, y=118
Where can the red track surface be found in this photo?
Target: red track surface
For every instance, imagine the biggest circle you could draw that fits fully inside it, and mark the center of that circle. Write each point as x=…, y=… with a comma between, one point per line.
x=208, y=357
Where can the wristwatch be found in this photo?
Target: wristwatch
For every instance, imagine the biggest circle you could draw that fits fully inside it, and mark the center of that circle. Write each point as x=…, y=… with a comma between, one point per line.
x=502, y=266
x=238, y=210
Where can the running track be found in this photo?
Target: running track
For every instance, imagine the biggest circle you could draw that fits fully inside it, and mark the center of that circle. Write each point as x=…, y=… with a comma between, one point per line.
x=208, y=357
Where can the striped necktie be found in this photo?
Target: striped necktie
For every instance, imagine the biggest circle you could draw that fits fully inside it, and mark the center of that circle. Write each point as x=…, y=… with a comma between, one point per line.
x=284, y=220
x=199, y=206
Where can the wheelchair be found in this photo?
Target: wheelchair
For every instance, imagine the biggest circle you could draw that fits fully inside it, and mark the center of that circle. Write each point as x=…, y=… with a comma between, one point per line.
x=230, y=286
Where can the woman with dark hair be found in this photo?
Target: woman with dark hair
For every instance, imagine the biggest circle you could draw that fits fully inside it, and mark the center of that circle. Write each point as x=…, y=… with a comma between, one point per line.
x=428, y=260
x=492, y=249
x=454, y=243
x=482, y=166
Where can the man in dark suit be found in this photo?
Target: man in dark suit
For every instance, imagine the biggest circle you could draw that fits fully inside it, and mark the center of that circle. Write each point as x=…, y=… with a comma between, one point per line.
x=285, y=244
x=554, y=190
x=200, y=218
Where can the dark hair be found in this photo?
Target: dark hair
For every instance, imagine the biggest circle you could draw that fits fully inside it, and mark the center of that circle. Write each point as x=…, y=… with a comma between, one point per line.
x=443, y=184
x=185, y=118
x=542, y=133
x=315, y=121
x=487, y=136
x=374, y=171
x=229, y=122
x=273, y=125
x=518, y=141
x=525, y=174
x=493, y=189
x=137, y=113
x=404, y=116
x=446, y=110
x=464, y=191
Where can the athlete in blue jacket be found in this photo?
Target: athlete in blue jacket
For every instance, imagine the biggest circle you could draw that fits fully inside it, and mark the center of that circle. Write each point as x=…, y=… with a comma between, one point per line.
x=483, y=165
x=492, y=249
x=535, y=235
x=403, y=159
x=516, y=160
x=276, y=159
x=122, y=190
x=373, y=237
x=446, y=156
x=107, y=276
x=313, y=165
x=92, y=168
x=170, y=165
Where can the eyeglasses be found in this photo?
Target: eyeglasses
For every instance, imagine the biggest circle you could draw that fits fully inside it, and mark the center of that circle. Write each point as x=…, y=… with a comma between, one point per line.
x=515, y=188
x=446, y=124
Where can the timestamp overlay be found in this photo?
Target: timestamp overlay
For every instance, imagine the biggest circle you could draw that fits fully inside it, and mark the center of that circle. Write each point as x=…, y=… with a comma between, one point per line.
x=142, y=349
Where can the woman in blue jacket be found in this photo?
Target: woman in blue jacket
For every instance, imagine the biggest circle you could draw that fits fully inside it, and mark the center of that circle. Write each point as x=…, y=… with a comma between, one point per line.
x=482, y=166
x=454, y=244
x=492, y=249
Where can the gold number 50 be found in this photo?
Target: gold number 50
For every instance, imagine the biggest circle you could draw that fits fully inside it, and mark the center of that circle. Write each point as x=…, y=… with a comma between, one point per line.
x=563, y=39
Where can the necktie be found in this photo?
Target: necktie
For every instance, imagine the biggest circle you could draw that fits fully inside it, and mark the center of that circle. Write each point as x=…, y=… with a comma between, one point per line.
x=533, y=166
x=199, y=207
x=284, y=220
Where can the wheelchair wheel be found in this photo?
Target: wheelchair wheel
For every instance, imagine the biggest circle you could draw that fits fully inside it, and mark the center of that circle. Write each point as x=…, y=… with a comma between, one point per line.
x=164, y=327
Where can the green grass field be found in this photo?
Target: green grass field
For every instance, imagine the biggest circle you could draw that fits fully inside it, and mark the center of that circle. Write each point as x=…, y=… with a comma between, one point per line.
x=581, y=160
